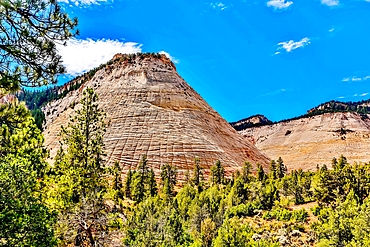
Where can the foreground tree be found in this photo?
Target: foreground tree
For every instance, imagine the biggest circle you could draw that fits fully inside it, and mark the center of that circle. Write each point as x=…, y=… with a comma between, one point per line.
x=24, y=218
x=80, y=180
x=28, y=37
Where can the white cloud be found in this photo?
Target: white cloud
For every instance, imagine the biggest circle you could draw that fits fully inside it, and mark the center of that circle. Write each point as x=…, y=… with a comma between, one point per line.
x=277, y=92
x=356, y=78
x=82, y=2
x=219, y=5
x=330, y=3
x=332, y=30
x=279, y=4
x=364, y=94
x=173, y=59
x=292, y=45
x=341, y=97
x=80, y=55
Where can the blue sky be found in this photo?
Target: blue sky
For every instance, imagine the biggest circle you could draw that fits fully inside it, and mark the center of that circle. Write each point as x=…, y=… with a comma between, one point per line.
x=277, y=58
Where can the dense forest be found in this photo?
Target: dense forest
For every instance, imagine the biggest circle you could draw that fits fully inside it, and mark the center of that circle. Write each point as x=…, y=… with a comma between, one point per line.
x=81, y=201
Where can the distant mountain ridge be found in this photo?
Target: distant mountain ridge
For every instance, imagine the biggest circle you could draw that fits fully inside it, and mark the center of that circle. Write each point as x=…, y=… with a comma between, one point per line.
x=252, y=121
x=362, y=107
x=328, y=130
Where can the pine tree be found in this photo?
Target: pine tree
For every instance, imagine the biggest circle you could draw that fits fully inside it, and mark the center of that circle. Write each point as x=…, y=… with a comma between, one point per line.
x=168, y=179
x=281, y=169
x=152, y=184
x=197, y=179
x=140, y=180
x=25, y=220
x=117, y=181
x=217, y=173
x=81, y=176
x=29, y=33
x=273, y=169
x=246, y=173
x=128, y=182
x=260, y=173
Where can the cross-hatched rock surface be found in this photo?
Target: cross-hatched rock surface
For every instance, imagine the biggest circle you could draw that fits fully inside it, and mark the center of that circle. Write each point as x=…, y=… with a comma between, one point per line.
x=153, y=111
x=304, y=143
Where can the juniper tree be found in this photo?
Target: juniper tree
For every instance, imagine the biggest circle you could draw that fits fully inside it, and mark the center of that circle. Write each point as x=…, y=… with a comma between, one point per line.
x=29, y=33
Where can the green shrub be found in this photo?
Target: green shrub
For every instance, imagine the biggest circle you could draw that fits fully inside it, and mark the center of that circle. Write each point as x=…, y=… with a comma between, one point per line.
x=241, y=210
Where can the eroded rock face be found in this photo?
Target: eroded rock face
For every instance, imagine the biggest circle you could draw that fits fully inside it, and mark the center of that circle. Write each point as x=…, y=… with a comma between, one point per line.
x=306, y=142
x=153, y=111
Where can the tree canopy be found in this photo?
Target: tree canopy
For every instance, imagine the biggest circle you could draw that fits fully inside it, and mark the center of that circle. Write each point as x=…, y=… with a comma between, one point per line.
x=28, y=37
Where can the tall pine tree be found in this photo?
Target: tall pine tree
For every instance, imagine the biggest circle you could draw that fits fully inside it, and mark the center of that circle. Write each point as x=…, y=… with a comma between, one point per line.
x=80, y=176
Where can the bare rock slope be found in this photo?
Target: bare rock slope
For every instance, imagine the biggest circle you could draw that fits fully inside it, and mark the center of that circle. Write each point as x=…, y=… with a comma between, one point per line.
x=306, y=142
x=153, y=111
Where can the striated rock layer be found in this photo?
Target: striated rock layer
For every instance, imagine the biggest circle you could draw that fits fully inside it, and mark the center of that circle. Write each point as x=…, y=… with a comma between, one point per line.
x=153, y=111
x=306, y=142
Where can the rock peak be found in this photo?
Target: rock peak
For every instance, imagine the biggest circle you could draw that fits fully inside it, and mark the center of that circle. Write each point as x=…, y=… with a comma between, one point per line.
x=153, y=111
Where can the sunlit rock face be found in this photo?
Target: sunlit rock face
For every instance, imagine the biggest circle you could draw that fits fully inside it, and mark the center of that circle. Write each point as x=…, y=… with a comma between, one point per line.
x=151, y=110
x=304, y=143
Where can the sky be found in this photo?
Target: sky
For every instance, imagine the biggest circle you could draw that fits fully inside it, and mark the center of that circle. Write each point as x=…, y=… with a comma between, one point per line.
x=278, y=58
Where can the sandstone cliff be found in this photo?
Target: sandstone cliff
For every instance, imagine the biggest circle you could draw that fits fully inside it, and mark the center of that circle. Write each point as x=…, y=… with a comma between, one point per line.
x=305, y=142
x=153, y=111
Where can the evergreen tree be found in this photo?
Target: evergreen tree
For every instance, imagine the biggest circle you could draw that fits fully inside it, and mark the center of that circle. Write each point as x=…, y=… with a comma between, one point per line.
x=140, y=180
x=273, y=169
x=117, y=180
x=25, y=220
x=168, y=179
x=197, y=179
x=246, y=173
x=260, y=173
x=128, y=182
x=152, y=184
x=138, y=188
x=281, y=169
x=80, y=181
x=217, y=173
x=29, y=33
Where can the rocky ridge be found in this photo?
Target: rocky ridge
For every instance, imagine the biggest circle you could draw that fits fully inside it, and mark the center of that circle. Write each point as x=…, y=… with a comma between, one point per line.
x=153, y=111
x=306, y=142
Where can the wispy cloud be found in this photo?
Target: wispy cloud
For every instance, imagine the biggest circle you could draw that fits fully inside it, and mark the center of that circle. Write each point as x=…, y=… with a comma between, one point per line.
x=82, y=2
x=291, y=45
x=279, y=4
x=354, y=95
x=330, y=3
x=276, y=92
x=332, y=29
x=356, y=78
x=81, y=55
x=219, y=6
x=173, y=59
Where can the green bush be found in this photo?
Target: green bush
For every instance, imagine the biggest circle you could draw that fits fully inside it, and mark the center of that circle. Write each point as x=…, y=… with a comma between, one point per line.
x=241, y=210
